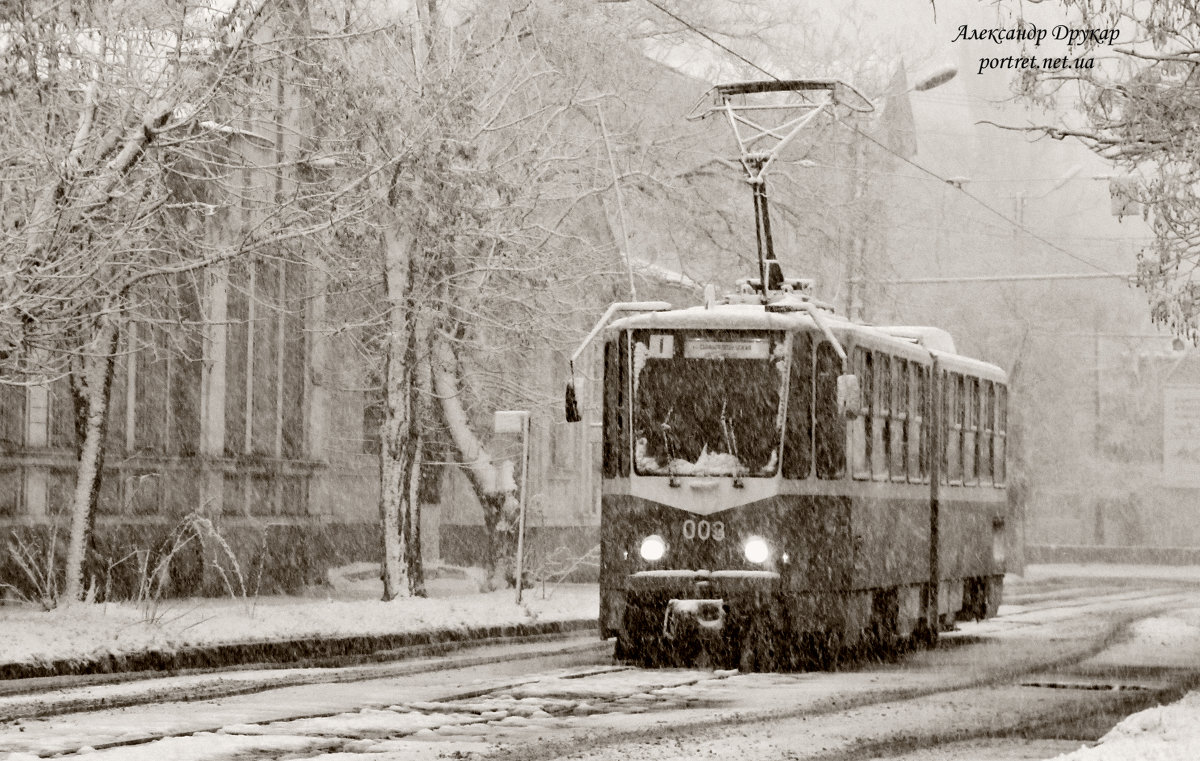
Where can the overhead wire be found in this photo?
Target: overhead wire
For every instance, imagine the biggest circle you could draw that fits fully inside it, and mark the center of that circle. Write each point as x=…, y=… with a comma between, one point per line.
x=948, y=181
x=711, y=39
x=958, y=186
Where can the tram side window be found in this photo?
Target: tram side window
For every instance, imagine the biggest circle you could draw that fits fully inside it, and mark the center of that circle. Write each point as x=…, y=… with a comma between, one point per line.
x=953, y=401
x=987, y=422
x=928, y=419
x=916, y=421
x=798, y=441
x=970, y=428
x=1001, y=436
x=829, y=430
x=899, y=425
x=879, y=417
x=616, y=447
x=860, y=427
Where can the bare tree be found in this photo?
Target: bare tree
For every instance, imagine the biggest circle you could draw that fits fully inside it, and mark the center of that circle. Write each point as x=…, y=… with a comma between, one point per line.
x=1134, y=84
x=121, y=122
x=489, y=222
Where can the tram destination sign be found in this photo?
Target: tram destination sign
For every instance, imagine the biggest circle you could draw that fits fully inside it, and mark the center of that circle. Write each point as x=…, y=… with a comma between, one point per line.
x=708, y=348
x=1181, y=435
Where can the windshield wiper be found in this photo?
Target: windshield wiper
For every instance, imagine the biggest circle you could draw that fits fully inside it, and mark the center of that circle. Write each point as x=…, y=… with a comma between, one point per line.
x=665, y=428
x=731, y=445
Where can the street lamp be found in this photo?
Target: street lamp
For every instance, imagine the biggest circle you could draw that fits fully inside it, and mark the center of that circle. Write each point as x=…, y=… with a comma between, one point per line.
x=897, y=103
x=938, y=77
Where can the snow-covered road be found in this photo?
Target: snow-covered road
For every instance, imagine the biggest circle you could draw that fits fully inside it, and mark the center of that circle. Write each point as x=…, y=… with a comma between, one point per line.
x=1057, y=668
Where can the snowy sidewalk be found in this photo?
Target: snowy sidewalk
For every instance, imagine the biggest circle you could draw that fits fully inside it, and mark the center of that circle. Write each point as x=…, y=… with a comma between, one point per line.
x=347, y=619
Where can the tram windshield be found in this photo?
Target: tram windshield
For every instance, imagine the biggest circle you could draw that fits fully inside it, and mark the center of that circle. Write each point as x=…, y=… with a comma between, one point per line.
x=707, y=403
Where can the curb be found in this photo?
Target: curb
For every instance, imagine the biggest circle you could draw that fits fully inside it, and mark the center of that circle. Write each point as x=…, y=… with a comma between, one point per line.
x=1036, y=554
x=292, y=653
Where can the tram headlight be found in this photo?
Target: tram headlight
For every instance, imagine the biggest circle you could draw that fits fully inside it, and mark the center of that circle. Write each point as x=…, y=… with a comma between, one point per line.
x=653, y=548
x=756, y=549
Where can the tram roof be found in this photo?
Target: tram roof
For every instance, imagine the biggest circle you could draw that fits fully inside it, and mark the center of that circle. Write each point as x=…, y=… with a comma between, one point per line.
x=908, y=340
x=719, y=317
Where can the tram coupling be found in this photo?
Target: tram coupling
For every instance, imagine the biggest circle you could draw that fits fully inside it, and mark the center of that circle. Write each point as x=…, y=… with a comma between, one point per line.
x=702, y=620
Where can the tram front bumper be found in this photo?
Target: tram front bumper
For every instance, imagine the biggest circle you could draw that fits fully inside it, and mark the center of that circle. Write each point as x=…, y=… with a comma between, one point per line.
x=701, y=584
x=694, y=605
x=735, y=581
x=703, y=597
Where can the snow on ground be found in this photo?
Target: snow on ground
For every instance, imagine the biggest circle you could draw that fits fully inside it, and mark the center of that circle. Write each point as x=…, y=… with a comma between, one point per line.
x=350, y=605
x=1163, y=733
x=1044, y=572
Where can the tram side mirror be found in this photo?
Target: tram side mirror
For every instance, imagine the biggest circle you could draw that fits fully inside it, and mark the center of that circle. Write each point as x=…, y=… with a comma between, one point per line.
x=849, y=396
x=572, y=403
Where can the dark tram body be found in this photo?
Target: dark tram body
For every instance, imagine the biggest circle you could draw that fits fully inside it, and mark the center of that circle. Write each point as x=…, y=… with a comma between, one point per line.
x=780, y=485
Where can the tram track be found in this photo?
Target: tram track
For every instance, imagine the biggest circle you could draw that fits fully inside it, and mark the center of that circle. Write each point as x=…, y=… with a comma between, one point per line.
x=921, y=683
x=915, y=700
x=53, y=696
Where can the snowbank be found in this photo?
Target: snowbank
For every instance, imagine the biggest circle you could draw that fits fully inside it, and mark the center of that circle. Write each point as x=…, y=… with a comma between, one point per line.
x=1164, y=733
x=86, y=632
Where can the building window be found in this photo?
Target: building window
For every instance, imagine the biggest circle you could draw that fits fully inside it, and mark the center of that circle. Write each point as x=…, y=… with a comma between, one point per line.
x=10, y=491
x=12, y=418
x=265, y=355
x=62, y=415
x=372, y=416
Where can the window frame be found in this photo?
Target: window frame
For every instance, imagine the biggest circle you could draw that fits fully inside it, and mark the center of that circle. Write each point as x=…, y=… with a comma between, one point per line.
x=952, y=446
x=880, y=410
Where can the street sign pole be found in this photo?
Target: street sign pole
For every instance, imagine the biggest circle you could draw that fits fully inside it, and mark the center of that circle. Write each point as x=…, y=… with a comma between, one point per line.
x=521, y=509
x=517, y=421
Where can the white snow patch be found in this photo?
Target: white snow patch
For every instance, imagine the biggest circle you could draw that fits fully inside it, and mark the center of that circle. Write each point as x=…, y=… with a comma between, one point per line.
x=30, y=635
x=1165, y=632
x=206, y=746
x=1163, y=733
x=365, y=722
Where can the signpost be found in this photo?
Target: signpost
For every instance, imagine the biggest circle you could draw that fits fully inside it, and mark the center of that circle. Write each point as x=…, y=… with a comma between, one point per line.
x=517, y=421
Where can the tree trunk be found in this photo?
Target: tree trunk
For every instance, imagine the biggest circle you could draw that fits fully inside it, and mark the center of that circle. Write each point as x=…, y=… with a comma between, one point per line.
x=395, y=427
x=412, y=545
x=95, y=389
x=481, y=471
x=419, y=392
x=497, y=546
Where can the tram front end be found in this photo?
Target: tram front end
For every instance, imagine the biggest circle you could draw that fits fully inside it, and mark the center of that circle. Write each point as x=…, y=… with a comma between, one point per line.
x=693, y=527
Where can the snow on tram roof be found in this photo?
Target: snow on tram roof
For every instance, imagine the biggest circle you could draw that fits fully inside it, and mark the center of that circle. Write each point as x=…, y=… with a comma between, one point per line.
x=937, y=342
x=968, y=365
x=727, y=316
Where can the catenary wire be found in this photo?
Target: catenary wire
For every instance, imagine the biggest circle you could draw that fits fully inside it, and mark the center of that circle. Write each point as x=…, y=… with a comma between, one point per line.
x=888, y=149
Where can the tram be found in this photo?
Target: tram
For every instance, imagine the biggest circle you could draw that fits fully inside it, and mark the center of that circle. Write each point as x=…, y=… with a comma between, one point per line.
x=781, y=484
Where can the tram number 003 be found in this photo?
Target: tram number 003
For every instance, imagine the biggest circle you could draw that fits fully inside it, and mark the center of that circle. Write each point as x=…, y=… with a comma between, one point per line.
x=703, y=530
